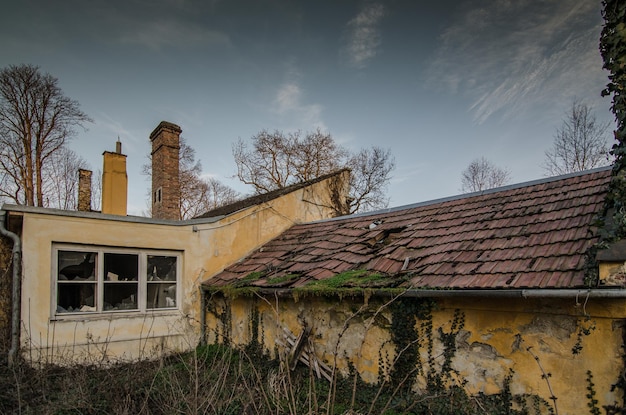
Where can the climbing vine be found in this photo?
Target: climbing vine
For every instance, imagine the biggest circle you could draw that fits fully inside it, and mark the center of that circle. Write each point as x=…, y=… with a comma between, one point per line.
x=405, y=313
x=612, y=223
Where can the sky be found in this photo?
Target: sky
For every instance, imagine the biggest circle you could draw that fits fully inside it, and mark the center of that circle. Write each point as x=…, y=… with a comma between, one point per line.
x=438, y=83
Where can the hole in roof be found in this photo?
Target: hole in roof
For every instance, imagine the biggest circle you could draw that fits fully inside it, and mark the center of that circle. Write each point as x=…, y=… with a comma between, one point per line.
x=384, y=237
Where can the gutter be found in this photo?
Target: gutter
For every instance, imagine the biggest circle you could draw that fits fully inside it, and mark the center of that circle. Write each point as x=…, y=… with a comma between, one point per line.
x=522, y=293
x=574, y=293
x=16, y=302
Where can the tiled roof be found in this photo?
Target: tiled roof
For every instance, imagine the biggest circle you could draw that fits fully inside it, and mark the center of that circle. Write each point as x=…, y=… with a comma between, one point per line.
x=532, y=235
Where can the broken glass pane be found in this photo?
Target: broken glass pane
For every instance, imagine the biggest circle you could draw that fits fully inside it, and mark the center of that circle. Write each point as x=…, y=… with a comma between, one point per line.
x=75, y=297
x=78, y=266
x=121, y=267
x=120, y=296
x=161, y=268
x=76, y=285
x=121, y=272
x=161, y=274
x=161, y=295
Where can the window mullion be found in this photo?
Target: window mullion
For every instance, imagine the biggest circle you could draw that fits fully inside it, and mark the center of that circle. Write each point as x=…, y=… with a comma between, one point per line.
x=100, y=280
x=142, y=290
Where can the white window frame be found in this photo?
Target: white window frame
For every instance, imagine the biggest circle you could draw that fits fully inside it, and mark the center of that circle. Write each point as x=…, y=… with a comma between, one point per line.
x=142, y=289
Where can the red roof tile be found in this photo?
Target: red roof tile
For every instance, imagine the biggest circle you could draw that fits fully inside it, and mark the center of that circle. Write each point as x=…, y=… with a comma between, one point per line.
x=532, y=235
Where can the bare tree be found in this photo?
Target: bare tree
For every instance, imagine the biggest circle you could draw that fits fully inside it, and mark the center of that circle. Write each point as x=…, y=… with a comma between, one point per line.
x=370, y=174
x=315, y=155
x=481, y=174
x=206, y=194
x=579, y=144
x=197, y=194
x=276, y=160
x=269, y=164
x=36, y=121
x=61, y=184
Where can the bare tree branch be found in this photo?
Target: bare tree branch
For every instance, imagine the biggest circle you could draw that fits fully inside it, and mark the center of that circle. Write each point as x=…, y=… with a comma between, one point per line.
x=276, y=160
x=61, y=173
x=36, y=121
x=481, y=174
x=579, y=144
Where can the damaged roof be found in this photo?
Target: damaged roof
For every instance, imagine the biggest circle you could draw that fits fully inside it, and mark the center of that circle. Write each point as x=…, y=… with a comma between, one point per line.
x=532, y=235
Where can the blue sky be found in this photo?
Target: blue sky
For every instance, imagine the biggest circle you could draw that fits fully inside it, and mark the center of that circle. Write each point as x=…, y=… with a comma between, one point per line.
x=439, y=84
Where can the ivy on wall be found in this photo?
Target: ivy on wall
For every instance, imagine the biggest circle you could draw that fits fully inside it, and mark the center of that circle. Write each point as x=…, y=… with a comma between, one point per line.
x=612, y=223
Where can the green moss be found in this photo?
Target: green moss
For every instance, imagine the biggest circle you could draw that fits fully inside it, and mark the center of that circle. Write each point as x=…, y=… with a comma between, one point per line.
x=282, y=280
x=348, y=279
x=354, y=283
x=253, y=276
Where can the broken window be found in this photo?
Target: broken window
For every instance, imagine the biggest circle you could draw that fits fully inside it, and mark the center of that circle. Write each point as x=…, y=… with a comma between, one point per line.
x=106, y=280
x=161, y=281
x=76, y=281
x=121, y=281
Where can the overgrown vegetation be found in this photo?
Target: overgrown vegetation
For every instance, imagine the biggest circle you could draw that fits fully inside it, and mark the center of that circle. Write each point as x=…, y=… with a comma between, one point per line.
x=353, y=283
x=217, y=379
x=416, y=374
x=416, y=378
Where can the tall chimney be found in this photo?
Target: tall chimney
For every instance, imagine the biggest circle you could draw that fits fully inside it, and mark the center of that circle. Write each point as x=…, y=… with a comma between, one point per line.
x=165, y=174
x=84, y=190
x=114, y=182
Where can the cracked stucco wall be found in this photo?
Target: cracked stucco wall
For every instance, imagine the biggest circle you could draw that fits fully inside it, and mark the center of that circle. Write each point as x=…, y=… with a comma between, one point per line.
x=499, y=337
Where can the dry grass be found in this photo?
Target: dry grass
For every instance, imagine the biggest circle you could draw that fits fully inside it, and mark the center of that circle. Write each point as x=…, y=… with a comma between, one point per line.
x=214, y=380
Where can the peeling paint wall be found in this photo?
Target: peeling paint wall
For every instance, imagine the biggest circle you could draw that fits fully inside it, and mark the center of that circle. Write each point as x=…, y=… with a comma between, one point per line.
x=535, y=341
x=205, y=249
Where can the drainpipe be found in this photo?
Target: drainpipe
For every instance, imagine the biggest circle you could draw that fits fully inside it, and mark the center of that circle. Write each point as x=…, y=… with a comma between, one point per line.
x=17, y=289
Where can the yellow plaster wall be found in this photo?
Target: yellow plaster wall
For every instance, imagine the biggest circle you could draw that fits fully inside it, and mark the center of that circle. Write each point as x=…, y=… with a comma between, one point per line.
x=206, y=249
x=499, y=335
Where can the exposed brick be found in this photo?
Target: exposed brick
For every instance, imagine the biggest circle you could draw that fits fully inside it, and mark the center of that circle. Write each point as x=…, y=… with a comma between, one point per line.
x=165, y=171
x=84, y=190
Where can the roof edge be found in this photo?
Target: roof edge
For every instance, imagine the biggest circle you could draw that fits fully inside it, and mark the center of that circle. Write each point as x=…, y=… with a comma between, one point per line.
x=266, y=197
x=105, y=216
x=524, y=293
x=470, y=195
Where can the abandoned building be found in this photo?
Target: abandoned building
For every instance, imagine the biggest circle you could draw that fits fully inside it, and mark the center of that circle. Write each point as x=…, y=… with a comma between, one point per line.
x=509, y=274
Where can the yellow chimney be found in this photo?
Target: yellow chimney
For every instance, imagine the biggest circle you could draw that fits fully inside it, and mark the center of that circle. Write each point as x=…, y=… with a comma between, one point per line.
x=114, y=182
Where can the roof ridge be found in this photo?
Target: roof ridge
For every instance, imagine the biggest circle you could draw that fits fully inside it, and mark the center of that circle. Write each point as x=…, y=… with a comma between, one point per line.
x=470, y=195
x=265, y=197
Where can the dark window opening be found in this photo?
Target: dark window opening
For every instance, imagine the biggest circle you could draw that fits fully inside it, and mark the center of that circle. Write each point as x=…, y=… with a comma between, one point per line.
x=76, y=282
x=161, y=281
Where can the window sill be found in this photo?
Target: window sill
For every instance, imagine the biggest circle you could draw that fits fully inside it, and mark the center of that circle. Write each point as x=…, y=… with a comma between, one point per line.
x=112, y=315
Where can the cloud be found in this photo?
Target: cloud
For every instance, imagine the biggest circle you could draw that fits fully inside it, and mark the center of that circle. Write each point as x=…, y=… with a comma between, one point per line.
x=166, y=33
x=115, y=129
x=288, y=104
x=507, y=57
x=364, y=37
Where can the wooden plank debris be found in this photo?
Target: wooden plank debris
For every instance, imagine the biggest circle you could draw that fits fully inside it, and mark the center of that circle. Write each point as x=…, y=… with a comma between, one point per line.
x=301, y=349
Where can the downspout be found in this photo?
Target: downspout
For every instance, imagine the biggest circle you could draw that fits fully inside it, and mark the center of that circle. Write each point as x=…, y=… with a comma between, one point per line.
x=16, y=302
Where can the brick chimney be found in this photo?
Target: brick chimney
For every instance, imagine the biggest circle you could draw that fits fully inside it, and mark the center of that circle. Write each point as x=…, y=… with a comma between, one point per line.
x=165, y=179
x=114, y=182
x=84, y=190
